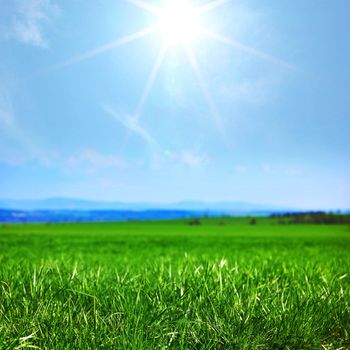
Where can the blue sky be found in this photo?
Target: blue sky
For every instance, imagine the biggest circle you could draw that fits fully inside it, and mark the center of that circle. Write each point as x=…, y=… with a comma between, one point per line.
x=265, y=121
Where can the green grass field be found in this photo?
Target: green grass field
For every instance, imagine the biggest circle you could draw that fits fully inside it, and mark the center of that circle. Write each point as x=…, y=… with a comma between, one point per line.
x=224, y=284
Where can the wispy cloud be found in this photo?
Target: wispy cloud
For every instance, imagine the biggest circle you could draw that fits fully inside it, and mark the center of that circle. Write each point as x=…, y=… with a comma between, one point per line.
x=8, y=131
x=8, y=125
x=93, y=160
x=25, y=20
x=130, y=123
x=17, y=144
x=257, y=91
x=6, y=111
x=187, y=158
x=293, y=171
x=266, y=168
x=192, y=159
x=283, y=169
x=241, y=169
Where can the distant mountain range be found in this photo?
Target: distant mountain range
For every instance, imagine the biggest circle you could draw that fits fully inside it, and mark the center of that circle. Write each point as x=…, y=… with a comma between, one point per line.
x=48, y=216
x=80, y=204
x=79, y=210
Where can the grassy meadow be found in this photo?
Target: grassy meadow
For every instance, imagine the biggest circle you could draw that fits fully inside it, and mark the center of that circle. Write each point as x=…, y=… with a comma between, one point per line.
x=224, y=284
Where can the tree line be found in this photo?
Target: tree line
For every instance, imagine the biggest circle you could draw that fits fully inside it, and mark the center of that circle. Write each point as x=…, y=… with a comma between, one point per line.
x=318, y=218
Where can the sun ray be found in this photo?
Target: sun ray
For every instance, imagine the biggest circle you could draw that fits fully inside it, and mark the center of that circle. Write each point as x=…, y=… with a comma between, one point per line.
x=107, y=47
x=204, y=86
x=238, y=45
x=150, y=82
x=145, y=6
x=212, y=5
x=130, y=124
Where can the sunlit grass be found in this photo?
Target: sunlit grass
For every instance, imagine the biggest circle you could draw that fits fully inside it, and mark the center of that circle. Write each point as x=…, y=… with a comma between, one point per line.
x=222, y=285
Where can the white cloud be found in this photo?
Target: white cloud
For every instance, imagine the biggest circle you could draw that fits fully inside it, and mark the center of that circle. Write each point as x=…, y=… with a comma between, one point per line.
x=266, y=167
x=249, y=91
x=186, y=158
x=106, y=182
x=6, y=112
x=15, y=145
x=93, y=160
x=241, y=169
x=192, y=159
x=25, y=20
x=293, y=171
x=18, y=143
x=282, y=169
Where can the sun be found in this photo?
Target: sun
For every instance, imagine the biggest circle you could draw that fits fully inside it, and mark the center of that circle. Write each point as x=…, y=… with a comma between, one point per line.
x=179, y=23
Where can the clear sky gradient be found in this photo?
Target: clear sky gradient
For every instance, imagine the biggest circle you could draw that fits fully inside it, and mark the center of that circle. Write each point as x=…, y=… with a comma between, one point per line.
x=265, y=117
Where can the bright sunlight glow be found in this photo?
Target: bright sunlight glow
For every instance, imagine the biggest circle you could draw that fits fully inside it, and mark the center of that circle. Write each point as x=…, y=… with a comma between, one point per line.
x=179, y=23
